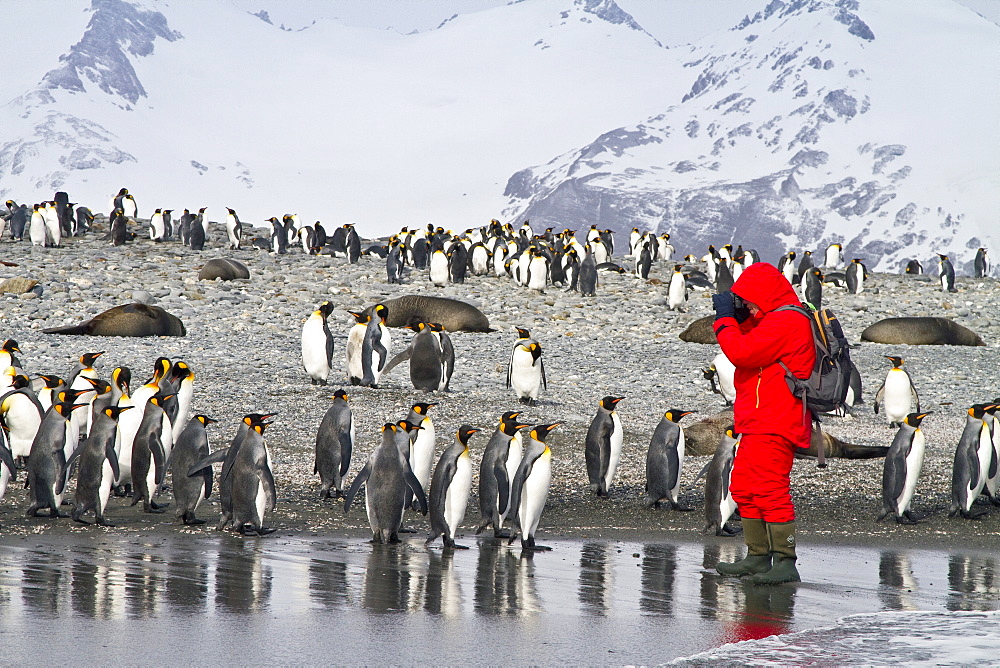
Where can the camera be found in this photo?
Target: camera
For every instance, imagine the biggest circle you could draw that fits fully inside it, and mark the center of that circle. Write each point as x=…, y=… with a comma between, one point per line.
x=738, y=302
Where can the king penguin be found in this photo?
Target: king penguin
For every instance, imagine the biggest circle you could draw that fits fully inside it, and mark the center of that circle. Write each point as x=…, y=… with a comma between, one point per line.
x=664, y=461
x=386, y=477
x=149, y=457
x=972, y=457
x=588, y=274
x=447, y=355
x=355, y=341
x=946, y=274
x=531, y=487
x=719, y=503
x=855, y=276
x=501, y=458
x=450, y=487
x=375, y=347
x=98, y=466
x=903, y=463
x=834, y=256
x=47, y=465
x=896, y=392
x=317, y=345
x=981, y=264
x=603, y=446
x=20, y=417
x=334, y=445
x=422, y=441
x=677, y=289
x=191, y=447
x=234, y=230
x=253, y=491
x=439, y=268
x=526, y=371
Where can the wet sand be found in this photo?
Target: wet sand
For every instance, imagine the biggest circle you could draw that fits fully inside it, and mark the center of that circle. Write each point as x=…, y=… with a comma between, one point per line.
x=175, y=598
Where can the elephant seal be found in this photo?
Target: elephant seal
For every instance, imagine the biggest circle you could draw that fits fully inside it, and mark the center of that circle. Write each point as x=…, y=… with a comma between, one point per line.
x=702, y=438
x=453, y=315
x=921, y=331
x=127, y=320
x=225, y=268
x=700, y=331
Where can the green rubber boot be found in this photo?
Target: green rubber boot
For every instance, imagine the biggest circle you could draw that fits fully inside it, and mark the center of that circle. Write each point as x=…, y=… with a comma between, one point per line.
x=781, y=538
x=758, y=559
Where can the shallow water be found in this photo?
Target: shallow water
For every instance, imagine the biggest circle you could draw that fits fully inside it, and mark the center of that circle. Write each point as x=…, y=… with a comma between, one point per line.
x=185, y=598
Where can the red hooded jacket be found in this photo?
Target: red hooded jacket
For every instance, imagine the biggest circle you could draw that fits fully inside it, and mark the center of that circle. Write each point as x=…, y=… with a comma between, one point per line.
x=764, y=404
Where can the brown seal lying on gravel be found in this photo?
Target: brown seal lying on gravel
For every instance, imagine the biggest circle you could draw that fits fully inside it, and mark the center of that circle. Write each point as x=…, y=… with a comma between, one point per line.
x=700, y=331
x=921, y=331
x=453, y=315
x=127, y=320
x=702, y=438
x=225, y=268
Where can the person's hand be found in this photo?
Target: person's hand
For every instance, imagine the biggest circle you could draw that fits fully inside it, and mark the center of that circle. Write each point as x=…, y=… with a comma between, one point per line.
x=724, y=305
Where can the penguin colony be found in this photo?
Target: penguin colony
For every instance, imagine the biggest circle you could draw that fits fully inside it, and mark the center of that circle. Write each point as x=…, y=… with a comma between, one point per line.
x=127, y=444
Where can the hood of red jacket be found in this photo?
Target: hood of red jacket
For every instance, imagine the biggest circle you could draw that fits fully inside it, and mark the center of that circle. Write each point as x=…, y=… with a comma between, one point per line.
x=762, y=284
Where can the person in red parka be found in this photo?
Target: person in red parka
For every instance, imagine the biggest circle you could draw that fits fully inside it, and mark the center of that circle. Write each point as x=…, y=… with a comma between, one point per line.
x=772, y=422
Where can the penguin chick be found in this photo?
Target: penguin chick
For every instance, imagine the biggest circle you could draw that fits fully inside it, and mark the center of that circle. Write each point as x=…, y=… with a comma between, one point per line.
x=334, y=445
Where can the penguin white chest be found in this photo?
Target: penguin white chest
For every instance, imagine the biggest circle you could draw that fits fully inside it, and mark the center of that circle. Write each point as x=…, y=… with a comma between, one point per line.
x=355, y=340
x=914, y=464
x=260, y=500
x=675, y=293
x=535, y=492
x=615, y=441
x=439, y=269
x=457, y=497
x=314, y=349
x=525, y=374
x=538, y=271
x=897, y=395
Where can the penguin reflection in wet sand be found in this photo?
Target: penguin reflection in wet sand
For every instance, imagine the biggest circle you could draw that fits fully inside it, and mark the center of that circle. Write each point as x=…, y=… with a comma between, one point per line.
x=497, y=469
x=317, y=345
x=896, y=392
x=386, y=477
x=603, y=447
x=334, y=445
x=450, y=489
x=526, y=371
x=719, y=503
x=902, y=467
x=664, y=461
x=531, y=487
x=972, y=459
x=190, y=447
x=98, y=466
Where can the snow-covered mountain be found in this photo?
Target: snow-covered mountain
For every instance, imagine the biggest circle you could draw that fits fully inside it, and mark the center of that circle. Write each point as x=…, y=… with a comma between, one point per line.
x=871, y=122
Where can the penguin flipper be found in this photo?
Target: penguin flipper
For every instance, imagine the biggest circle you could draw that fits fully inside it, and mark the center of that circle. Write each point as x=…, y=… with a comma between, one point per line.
x=418, y=491
x=270, y=491
x=216, y=457
x=702, y=472
x=880, y=394
x=356, y=485
x=109, y=452
x=401, y=357
x=346, y=450
x=156, y=448
x=541, y=367
x=913, y=390
x=503, y=486
x=7, y=458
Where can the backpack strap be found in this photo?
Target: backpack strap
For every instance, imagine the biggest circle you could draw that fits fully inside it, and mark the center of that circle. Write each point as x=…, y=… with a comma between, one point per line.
x=820, y=449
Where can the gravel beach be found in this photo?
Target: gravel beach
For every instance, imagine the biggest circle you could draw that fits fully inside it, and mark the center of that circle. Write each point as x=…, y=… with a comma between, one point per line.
x=243, y=341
